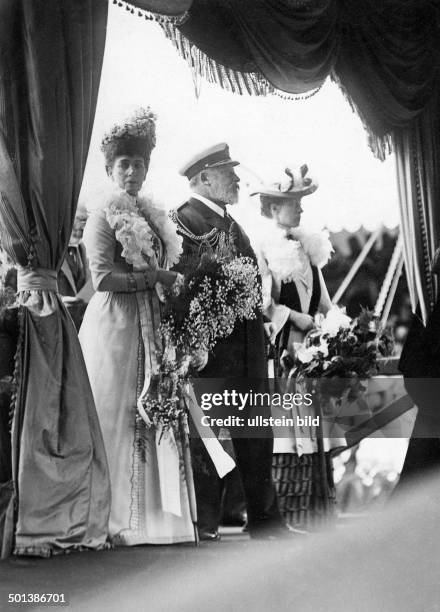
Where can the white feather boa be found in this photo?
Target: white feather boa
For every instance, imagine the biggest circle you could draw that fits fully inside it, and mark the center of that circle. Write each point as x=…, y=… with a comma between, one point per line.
x=135, y=220
x=287, y=252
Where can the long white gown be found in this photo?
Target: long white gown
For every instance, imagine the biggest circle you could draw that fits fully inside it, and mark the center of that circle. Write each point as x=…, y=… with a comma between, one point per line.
x=114, y=350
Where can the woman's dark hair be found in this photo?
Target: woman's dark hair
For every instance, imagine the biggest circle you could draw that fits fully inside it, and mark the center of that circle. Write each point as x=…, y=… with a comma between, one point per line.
x=131, y=146
x=267, y=200
x=265, y=206
x=135, y=137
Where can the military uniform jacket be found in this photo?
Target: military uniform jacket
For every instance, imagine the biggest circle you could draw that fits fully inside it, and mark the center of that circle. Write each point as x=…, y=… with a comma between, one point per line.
x=242, y=354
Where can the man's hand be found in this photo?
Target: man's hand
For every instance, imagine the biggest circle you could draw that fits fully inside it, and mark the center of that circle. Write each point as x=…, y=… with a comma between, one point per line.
x=301, y=320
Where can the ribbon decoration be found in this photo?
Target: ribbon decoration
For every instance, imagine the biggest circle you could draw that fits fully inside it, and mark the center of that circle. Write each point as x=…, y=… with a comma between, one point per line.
x=169, y=471
x=166, y=445
x=37, y=290
x=222, y=461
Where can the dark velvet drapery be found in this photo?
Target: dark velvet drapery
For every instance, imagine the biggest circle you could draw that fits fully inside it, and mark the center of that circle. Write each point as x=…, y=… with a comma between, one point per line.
x=292, y=45
x=51, y=55
x=388, y=63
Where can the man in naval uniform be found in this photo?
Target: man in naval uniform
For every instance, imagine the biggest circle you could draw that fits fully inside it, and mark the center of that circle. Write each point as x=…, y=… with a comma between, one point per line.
x=204, y=223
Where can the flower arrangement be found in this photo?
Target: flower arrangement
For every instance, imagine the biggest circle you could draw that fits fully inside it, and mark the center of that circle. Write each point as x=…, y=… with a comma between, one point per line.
x=216, y=295
x=9, y=331
x=164, y=405
x=8, y=285
x=341, y=352
x=7, y=298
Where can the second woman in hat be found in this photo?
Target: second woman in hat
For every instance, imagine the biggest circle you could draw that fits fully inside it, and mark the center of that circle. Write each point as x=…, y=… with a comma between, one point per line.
x=294, y=291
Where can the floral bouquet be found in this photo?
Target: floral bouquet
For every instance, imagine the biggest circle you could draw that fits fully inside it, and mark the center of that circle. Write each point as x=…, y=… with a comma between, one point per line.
x=221, y=291
x=164, y=405
x=342, y=352
x=214, y=297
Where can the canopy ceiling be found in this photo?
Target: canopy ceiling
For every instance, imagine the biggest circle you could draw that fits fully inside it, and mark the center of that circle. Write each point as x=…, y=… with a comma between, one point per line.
x=163, y=7
x=384, y=54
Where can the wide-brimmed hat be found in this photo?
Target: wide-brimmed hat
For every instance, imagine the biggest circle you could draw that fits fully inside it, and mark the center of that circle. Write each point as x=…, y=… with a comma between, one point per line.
x=296, y=184
x=213, y=157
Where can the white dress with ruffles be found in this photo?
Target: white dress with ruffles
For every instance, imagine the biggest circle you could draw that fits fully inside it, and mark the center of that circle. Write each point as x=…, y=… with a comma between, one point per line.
x=117, y=352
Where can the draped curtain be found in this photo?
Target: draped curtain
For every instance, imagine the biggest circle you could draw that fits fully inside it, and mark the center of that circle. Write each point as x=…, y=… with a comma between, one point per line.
x=385, y=55
x=417, y=161
x=290, y=47
x=388, y=64
x=51, y=55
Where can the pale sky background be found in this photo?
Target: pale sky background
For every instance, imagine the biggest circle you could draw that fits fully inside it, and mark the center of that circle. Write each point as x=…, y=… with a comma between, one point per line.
x=141, y=67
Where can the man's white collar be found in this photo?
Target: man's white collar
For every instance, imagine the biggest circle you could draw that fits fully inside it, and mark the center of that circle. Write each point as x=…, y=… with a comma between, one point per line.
x=212, y=205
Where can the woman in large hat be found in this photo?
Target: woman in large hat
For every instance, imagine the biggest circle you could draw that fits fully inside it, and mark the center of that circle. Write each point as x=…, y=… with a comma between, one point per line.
x=294, y=291
x=130, y=245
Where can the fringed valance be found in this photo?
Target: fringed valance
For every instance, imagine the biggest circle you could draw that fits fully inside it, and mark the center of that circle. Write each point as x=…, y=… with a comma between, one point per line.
x=236, y=81
x=384, y=55
x=164, y=12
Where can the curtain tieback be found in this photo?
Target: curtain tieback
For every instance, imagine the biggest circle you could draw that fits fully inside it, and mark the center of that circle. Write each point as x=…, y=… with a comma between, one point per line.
x=40, y=279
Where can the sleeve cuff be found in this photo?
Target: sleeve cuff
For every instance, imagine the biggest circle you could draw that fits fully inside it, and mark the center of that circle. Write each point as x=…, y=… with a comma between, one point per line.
x=147, y=280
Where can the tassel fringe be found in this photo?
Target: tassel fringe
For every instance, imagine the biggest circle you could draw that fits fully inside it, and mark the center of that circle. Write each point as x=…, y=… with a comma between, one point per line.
x=250, y=83
x=202, y=65
x=242, y=83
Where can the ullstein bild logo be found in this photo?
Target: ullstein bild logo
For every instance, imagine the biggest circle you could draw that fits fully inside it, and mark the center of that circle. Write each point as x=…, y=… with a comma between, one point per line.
x=260, y=421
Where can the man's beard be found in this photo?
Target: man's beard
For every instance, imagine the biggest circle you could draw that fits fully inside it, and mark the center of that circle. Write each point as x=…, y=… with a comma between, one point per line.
x=228, y=195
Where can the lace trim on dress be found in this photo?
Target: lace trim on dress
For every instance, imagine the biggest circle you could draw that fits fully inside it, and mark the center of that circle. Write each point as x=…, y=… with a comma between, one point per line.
x=288, y=252
x=135, y=222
